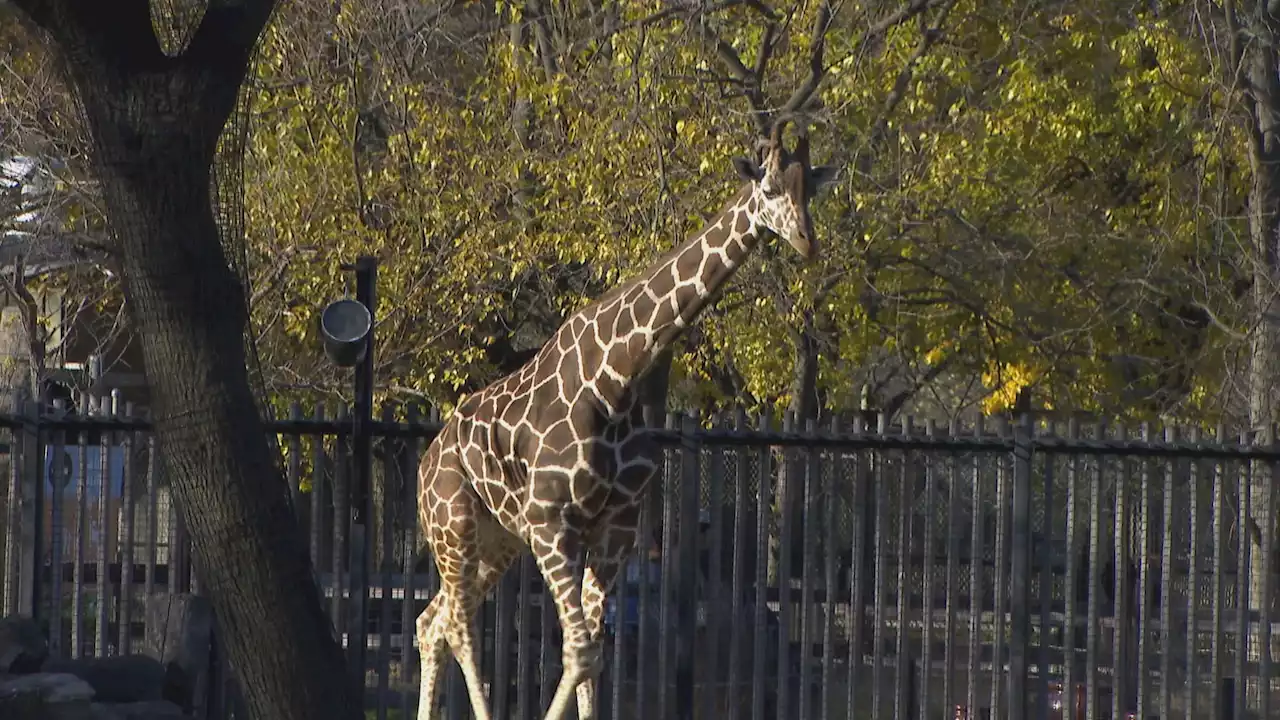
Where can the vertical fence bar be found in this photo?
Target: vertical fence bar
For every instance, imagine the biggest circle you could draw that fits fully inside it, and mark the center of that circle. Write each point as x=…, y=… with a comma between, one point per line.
x=341, y=525
x=293, y=470
x=1219, y=556
x=739, y=579
x=1045, y=558
x=153, y=519
x=714, y=596
x=174, y=549
x=976, y=562
x=835, y=471
x=13, y=518
x=1070, y=629
x=78, y=638
x=1166, y=584
x=383, y=521
x=106, y=440
x=644, y=639
x=1020, y=571
x=881, y=530
x=763, y=499
x=949, y=691
x=59, y=476
x=666, y=613
x=622, y=599
x=644, y=561
x=1000, y=584
x=686, y=590
x=1193, y=580
x=1243, y=518
x=1121, y=658
x=786, y=490
x=318, y=461
x=506, y=591
x=808, y=548
x=127, y=557
x=409, y=655
x=1092, y=630
x=858, y=525
x=31, y=558
x=524, y=650
x=926, y=642
x=902, y=654
x=1144, y=581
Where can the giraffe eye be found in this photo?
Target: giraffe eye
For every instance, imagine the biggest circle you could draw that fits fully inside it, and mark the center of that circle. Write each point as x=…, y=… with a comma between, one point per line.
x=769, y=188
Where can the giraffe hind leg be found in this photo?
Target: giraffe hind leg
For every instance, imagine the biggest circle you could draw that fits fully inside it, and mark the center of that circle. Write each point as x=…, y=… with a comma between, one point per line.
x=449, y=624
x=432, y=646
x=555, y=548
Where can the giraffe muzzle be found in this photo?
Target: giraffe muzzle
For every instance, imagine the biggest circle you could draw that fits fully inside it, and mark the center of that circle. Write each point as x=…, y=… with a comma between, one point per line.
x=804, y=243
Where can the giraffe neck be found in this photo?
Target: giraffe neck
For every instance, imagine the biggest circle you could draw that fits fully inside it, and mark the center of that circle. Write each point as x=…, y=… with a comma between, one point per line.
x=634, y=323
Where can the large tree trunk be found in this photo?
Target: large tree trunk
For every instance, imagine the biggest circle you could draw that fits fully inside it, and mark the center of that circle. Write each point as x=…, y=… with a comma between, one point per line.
x=155, y=122
x=792, y=470
x=1262, y=103
x=1264, y=231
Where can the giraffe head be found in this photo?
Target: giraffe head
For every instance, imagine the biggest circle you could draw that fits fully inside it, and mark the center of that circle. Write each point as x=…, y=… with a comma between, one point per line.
x=783, y=183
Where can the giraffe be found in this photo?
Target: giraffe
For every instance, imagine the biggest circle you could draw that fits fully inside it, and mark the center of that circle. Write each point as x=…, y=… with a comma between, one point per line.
x=554, y=456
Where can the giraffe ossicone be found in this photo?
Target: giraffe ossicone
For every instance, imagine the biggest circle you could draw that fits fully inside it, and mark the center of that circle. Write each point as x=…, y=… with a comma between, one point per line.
x=554, y=456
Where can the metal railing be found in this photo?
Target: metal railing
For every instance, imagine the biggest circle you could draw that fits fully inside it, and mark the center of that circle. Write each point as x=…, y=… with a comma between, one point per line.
x=1003, y=570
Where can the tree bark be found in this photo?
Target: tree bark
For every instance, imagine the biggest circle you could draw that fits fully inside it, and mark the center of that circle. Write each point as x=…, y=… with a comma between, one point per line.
x=1261, y=94
x=155, y=121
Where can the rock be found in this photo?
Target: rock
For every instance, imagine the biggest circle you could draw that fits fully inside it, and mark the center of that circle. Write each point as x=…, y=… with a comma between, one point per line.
x=45, y=696
x=22, y=645
x=52, y=687
x=101, y=711
x=154, y=710
x=120, y=679
x=179, y=633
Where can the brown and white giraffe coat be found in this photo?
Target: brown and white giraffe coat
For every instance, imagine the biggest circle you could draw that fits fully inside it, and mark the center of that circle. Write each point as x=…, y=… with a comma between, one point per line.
x=554, y=457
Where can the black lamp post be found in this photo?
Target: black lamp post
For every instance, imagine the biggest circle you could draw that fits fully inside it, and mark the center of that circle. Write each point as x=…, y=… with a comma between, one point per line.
x=346, y=327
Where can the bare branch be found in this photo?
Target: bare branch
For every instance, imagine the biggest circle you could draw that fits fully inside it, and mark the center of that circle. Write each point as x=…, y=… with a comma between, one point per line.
x=272, y=280
x=817, y=48
x=30, y=313
x=929, y=36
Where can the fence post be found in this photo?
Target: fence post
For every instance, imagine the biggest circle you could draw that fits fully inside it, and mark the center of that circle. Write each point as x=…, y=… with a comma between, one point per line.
x=32, y=513
x=12, y=524
x=1020, y=575
x=686, y=593
x=366, y=278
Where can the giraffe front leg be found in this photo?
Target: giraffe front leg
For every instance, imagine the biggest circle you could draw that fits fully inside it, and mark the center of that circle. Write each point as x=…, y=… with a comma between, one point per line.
x=606, y=561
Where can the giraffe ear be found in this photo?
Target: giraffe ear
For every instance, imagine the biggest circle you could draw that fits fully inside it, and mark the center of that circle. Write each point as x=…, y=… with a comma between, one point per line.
x=748, y=170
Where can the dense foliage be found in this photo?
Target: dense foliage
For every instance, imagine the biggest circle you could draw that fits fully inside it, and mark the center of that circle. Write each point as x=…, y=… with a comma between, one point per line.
x=1044, y=207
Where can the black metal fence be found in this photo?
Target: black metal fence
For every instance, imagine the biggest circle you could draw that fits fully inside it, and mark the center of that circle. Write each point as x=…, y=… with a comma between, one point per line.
x=1000, y=570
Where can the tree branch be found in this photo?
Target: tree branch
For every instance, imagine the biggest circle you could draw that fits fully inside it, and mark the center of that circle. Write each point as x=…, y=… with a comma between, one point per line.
x=30, y=312
x=119, y=32
x=929, y=36
x=228, y=33
x=817, y=47
x=752, y=79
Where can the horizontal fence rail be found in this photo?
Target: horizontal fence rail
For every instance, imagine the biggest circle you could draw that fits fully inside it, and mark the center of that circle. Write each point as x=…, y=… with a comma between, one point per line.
x=1019, y=570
